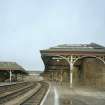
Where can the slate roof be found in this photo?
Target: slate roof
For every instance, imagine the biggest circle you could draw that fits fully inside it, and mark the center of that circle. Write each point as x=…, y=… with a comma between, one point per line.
x=11, y=66
x=92, y=47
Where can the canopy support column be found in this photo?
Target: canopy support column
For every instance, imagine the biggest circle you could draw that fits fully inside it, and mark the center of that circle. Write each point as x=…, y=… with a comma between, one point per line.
x=71, y=71
x=10, y=76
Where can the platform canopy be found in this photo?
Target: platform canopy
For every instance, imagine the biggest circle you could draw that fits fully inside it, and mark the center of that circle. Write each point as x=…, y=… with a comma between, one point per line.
x=13, y=66
x=92, y=47
x=62, y=60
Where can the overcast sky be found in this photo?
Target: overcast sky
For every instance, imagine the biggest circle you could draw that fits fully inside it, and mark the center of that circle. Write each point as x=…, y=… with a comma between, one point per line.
x=27, y=26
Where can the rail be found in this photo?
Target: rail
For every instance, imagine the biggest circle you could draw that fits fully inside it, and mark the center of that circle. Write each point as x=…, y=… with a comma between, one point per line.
x=37, y=97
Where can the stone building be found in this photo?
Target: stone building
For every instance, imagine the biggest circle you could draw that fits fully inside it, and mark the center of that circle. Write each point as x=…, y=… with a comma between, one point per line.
x=79, y=64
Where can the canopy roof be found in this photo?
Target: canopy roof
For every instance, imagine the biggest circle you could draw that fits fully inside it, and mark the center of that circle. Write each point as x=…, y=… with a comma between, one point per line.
x=92, y=47
x=12, y=66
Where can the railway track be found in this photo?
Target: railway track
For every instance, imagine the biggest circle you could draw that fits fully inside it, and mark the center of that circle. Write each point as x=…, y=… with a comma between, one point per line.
x=37, y=97
x=8, y=88
x=10, y=95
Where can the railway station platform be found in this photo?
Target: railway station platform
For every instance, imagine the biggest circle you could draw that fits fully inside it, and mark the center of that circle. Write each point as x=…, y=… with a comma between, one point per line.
x=63, y=95
x=7, y=83
x=11, y=72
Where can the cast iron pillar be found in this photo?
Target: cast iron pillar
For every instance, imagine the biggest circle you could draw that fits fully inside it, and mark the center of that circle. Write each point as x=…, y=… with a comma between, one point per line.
x=71, y=71
x=10, y=75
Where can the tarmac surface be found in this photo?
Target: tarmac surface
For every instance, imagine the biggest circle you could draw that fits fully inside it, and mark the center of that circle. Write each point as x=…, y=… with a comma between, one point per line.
x=64, y=95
